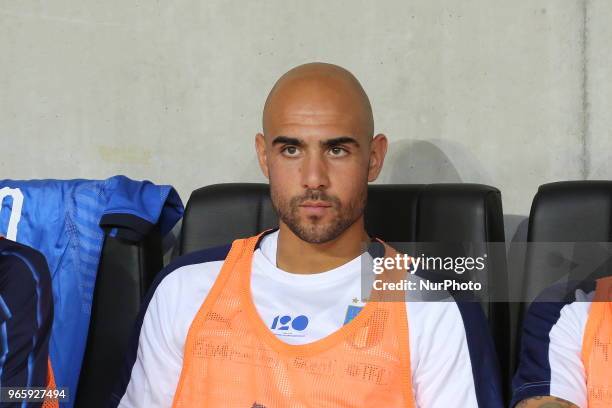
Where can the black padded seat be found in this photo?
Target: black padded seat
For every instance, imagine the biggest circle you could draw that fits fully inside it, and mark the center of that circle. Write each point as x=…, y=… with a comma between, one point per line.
x=571, y=214
x=125, y=273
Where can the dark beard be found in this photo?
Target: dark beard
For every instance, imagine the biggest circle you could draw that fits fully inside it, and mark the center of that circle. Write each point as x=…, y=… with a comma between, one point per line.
x=313, y=232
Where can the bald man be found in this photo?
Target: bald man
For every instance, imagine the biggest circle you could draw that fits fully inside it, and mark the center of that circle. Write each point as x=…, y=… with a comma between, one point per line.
x=277, y=320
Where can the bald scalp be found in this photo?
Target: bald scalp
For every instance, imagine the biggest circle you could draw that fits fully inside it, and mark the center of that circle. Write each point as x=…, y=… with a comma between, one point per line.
x=319, y=86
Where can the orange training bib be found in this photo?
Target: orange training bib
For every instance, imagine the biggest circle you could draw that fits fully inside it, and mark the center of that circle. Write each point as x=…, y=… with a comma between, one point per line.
x=597, y=347
x=50, y=402
x=231, y=358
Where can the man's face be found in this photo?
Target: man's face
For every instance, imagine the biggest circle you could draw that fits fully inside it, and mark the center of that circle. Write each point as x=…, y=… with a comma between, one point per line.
x=317, y=158
x=318, y=184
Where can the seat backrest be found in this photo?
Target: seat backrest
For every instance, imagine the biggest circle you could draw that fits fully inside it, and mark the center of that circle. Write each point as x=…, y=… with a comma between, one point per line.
x=218, y=214
x=564, y=212
x=572, y=211
x=125, y=273
x=561, y=212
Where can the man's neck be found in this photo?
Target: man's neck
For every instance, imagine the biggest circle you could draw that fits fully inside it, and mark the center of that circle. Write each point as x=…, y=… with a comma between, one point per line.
x=297, y=256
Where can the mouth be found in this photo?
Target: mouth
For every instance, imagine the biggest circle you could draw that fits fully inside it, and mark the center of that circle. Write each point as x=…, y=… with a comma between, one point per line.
x=316, y=204
x=316, y=208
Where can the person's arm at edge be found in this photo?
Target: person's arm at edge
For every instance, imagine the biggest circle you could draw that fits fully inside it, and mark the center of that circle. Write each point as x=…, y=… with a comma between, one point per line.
x=158, y=365
x=455, y=357
x=550, y=346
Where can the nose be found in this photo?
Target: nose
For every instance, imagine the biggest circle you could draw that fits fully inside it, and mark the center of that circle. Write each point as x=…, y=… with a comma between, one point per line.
x=314, y=173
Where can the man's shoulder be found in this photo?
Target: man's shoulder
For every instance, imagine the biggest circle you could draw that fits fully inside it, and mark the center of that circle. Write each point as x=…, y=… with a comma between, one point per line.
x=446, y=326
x=437, y=310
x=191, y=270
x=560, y=302
x=430, y=290
x=201, y=257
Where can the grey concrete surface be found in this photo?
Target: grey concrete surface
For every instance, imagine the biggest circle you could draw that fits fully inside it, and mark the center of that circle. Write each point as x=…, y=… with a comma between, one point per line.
x=598, y=83
x=512, y=94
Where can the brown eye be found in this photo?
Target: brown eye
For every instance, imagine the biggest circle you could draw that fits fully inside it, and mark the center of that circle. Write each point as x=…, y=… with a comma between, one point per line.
x=290, y=151
x=338, y=151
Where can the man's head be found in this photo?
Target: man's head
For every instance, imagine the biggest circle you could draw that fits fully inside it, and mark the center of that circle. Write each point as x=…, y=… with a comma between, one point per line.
x=318, y=151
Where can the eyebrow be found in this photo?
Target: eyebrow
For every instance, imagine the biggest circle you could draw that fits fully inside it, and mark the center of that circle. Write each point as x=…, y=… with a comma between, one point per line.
x=340, y=140
x=293, y=141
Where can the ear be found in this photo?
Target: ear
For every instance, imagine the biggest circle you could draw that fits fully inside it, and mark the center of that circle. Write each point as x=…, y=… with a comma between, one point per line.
x=378, y=150
x=260, y=147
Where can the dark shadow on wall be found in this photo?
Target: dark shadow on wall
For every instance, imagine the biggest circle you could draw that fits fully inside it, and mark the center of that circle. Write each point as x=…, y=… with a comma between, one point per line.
x=516, y=227
x=432, y=161
x=516, y=256
x=419, y=161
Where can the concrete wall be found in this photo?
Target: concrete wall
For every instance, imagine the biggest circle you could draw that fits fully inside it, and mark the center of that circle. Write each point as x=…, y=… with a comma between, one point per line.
x=508, y=93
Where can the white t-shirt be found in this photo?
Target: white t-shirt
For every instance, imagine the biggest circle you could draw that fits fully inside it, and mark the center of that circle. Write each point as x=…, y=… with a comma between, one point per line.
x=550, y=361
x=302, y=308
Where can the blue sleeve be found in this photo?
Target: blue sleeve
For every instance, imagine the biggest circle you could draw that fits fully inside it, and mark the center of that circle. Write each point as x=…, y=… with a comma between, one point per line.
x=135, y=207
x=483, y=356
x=532, y=377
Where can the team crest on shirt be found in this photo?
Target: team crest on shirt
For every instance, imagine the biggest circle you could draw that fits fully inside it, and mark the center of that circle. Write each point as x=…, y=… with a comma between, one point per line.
x=351, y=313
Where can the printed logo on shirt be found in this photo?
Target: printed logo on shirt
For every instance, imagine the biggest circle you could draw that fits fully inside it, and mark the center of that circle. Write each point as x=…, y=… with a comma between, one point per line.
x=285, y=325
x=14, y=211
x=256, y=405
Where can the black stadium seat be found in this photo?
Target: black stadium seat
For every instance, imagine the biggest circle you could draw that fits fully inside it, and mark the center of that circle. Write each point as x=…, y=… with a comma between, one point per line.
x=567, y=211
x=450, y=213
x=125, y=273
x=562, y=212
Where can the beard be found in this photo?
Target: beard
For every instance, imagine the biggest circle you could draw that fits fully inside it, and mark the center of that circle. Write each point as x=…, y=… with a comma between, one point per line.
x=313, y=229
